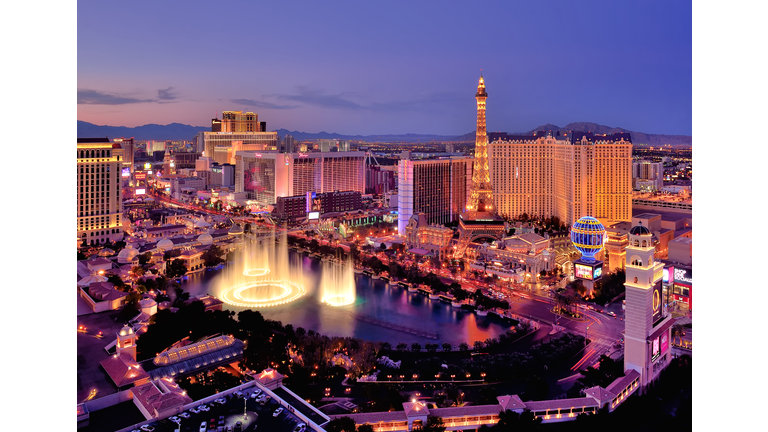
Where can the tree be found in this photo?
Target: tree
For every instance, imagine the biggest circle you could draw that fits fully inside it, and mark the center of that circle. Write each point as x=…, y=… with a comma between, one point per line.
x=247, y=228
x=175, y=268
x=212, y=257
x=415, y=347
x=431, y=347
x=383, y=247
x=341, y=424
x=478, y=345
x=144, y=258
x=463, y=346
x=386, y=346
x=402, y=346
x=511, y=232
x=447, y=347
x=434, y=424
x=543, y=273
x=137, y=271
x=365, y=428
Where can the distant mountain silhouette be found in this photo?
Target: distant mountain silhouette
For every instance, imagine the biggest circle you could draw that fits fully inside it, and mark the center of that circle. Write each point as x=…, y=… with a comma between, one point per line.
x=178, y=131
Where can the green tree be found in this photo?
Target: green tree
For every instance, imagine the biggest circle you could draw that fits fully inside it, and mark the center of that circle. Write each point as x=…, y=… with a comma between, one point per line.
x=144, y=258
x=383, y=247
x=434, y=424
x=175, y=268
x=213, y=256
x=365, y=428
x=415, y=347
x=341, y=424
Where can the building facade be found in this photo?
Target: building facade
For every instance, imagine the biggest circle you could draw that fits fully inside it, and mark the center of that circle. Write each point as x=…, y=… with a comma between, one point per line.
x=295, y=207
x=647, y=329
x=648, y=176
x=99, y=194
x=543, y=175
x=439, y=188
x=128, y=146
x=419, y=234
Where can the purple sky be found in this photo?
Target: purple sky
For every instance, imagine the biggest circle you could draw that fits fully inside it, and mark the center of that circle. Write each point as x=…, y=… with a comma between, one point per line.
x=364, y=67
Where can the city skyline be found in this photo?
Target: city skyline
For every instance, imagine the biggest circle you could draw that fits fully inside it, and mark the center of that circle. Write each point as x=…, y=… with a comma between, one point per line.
x=397, y=73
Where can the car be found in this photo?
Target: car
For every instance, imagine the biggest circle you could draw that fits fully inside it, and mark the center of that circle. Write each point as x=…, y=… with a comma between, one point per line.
x=220, y=401
x=147, y=428
x=611, y=313
x=255, y=394
x=175, y=419
x=239, y=426
x=204, y=408
x=277, y=412
x=238, y=394
x=221, y=421
x=184, y=415
x=203, y=427
x=300, y=427
x=195, y=411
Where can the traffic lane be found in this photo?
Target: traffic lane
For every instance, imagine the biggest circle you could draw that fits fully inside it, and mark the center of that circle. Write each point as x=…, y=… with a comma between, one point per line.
x=605, y=328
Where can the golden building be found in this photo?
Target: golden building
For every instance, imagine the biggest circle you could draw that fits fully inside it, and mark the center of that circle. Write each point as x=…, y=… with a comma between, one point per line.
x=566, y=176
x=99, y=195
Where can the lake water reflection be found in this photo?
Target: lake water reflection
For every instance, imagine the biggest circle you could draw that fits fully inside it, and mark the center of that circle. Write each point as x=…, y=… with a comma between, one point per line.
x=374, y=299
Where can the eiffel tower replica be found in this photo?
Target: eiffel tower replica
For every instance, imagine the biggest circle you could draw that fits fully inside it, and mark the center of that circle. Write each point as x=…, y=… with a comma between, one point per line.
x=479, y=218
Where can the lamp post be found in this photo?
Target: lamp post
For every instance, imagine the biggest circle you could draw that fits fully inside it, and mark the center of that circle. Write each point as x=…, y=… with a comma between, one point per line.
x=245, y=407
x=586, y=337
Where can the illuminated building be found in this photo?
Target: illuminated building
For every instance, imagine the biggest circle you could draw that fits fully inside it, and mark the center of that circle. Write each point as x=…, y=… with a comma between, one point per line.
x=327, y=145
x=128, y=151
x=530, y=252
x=185, y=159
x=480, y=219
x=289, y=144
x=543, y=175
x=588, y=237
x=264, y=176
x=99, y=195
x=295, y=207
x=435, y=239
x=236, y=131
x=379, y=180
x=238, y=121
x=647, y=324
x=436, y=187
x=648, y=176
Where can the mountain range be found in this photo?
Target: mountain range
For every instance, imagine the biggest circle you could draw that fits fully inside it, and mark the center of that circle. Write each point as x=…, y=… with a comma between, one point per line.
x=178, y=131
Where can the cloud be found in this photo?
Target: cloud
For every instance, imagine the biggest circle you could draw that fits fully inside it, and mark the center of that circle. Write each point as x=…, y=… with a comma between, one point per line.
x=95, y=97
x=165, y=94
x=320, y=99
x=262, y=104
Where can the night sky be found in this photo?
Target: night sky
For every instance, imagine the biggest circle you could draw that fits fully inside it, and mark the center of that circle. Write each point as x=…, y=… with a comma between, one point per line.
x=365, y=67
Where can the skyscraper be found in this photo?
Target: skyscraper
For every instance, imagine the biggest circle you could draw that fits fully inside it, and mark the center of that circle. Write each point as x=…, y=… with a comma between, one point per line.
x=289, y=144
x=128, y=151
x=436, y=187
x=548, y=174
x=480, y=218
x=99, y=195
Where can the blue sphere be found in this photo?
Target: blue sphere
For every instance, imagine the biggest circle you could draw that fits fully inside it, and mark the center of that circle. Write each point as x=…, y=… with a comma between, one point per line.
x=588, y=237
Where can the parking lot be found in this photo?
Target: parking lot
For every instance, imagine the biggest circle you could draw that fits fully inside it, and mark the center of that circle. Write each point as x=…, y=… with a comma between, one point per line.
x=259, y=417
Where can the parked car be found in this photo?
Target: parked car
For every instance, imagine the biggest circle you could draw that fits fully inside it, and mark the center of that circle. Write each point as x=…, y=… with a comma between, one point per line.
x=301, y=427
x=203, y=427
x=238, y=394
x=195, y=410
x=255, y=394
x=175, y=419
x=147, y=428
x=277, y=412
x=239, y=426
x=220, y=401
x=221, y=421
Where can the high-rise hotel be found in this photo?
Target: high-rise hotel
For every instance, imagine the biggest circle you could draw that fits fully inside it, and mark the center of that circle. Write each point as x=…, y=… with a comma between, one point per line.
x=567, y=176
x=99, y=195
x=236, y=131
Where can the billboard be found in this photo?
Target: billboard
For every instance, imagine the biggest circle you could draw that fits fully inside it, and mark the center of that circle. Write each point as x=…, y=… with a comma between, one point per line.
x=664, y=342
x=655, y=350
x=125, y=172
x=665, y=274
x=147, y=166
x=657, y=302
x=141, y=191
x=313, y=202
x=683, y=276
x=313, y=215
x=597, y=271
x=140, y=176
x=583, y=271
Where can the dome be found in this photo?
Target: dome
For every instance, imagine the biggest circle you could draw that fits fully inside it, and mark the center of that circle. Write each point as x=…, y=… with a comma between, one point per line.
x=205, y=239
x=588, y=237
x=127, y=254
x=545, y=252
x=639, y=229
x=235, y=230
x=164, y=244
x=125, y=331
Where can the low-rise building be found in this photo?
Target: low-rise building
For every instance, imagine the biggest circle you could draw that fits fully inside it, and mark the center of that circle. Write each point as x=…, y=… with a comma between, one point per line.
x=435, y=239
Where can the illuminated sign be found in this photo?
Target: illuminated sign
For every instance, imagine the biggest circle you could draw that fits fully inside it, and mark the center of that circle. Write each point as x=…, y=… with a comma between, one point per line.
x=140, y=191
x=126, y=172
x=665, y=274
x=147, y=166
x=656, y=351
x=141, y=176
x=664, y=342
x=597, y=272
x=303, y=155
x=167, y=189
x=683, y=275
x=313, y=215
x=583, y=271
x=149, y=172
x=657, y=301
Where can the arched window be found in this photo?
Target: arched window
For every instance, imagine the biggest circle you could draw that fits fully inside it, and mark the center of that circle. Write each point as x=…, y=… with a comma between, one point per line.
x=635, y=279
x=644, y=243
